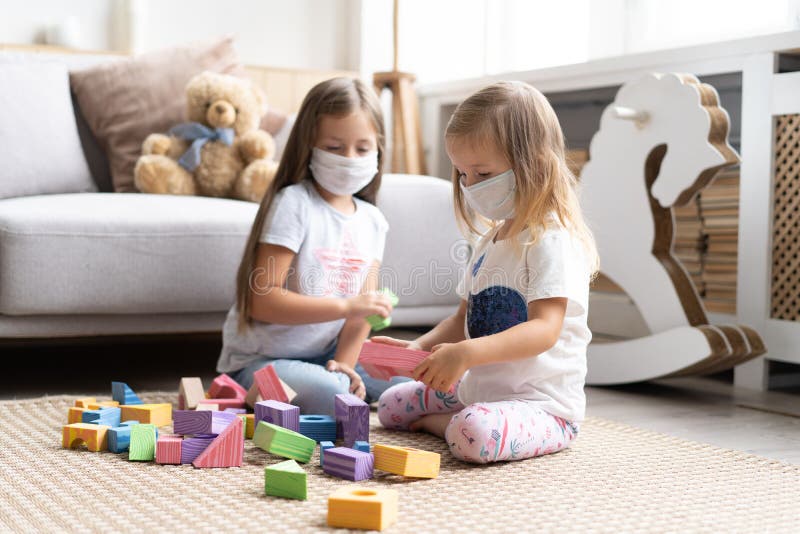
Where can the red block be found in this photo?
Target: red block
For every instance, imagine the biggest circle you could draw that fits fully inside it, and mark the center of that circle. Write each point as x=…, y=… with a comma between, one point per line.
x=225, y=387
x=269, y=385
x=168, y=449
x=227, y=449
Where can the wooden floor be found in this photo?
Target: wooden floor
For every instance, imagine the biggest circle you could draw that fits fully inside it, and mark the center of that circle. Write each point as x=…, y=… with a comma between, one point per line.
x=704, y=410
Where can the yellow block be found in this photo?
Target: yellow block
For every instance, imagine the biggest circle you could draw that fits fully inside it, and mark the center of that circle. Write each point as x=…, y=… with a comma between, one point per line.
x=406, y=461
x=363, y=508
x=75, y=415
x=250, y=425
x=84, y=402
x=95, y=436
x=103, y=404
x=154, y=414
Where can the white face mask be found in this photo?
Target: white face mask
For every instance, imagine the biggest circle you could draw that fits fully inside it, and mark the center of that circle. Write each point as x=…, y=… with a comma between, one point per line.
x=492, y=198
x=341, y=175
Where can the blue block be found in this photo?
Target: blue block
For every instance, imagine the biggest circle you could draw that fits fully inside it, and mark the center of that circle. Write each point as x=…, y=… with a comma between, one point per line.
x=318, y=427
x=323, y=445
x=123, y=394
x=119, y=438
x=362, y=446
x=109, y=416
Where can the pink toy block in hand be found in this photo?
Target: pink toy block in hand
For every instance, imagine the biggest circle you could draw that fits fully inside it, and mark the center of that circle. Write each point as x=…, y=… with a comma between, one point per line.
x=383, y=361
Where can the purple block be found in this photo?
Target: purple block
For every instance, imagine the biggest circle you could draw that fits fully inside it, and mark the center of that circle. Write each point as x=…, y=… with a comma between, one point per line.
x=192, y=447
x=349, y=464
x=235, y=410
x=352, y=419
x=278, y=413
x=200, y=422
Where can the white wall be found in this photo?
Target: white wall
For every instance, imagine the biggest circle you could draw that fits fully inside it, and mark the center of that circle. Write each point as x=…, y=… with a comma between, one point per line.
x=315, y=34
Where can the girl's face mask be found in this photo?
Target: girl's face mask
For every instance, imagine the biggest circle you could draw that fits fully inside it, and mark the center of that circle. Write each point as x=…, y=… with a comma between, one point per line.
x=492, y=198
x=341, y=175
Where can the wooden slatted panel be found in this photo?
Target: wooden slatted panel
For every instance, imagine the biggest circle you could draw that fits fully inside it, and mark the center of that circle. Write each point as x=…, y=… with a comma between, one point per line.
x=786, y=210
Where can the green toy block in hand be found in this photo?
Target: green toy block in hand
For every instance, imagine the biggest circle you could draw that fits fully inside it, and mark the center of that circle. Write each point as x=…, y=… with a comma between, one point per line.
x=376, y=321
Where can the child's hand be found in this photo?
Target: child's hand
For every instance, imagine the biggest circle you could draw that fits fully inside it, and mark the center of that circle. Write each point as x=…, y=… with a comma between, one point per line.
x=413, y=345
x=362, y=306
x=444, y=367
x=357, y=387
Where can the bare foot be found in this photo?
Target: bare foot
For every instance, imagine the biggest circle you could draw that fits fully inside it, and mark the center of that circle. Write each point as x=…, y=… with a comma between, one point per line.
x=435, y=424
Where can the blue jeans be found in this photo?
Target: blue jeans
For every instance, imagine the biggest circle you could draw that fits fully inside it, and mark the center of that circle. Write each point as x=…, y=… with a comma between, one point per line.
x=315, y=386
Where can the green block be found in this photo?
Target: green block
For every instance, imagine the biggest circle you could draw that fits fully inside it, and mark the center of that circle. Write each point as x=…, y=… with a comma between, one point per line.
x=143, y=443
x=283, y=442
x=376, y=322
x=286, y=479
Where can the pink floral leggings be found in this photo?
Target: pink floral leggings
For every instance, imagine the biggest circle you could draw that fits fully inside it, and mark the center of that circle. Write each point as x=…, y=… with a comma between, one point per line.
x=482, y=432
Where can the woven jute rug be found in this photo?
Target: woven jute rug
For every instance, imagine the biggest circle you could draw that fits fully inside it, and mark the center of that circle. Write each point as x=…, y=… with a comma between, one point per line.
x=615, y=478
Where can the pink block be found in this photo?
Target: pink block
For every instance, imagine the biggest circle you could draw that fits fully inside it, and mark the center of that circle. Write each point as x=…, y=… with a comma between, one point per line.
x=225, y=387
x=269, y=385
x=227, y=449
x=168, y=449
x=387, y=361
x=222, y=404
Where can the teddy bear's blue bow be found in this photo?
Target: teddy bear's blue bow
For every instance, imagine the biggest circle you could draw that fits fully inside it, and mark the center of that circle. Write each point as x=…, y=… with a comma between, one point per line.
x=199, y=135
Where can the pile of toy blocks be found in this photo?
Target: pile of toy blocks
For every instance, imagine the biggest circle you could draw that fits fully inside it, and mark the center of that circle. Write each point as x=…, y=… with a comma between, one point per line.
x=209, y=429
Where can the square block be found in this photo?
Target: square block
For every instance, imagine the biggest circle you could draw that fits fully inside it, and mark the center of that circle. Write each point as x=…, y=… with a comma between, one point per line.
x=119, y=438
x=348, y=464
x=318, y=427
x=283, y=442
x=352, y=418
x=94, y=436
x=153, y=414
x=406, y=461
x=190, y=392
x=278, y=413
x=200, y=422
x=362, y=508
x=362, y=446
x=168, y=449
x=222, y=404
x=143, y=443
x=285, y=479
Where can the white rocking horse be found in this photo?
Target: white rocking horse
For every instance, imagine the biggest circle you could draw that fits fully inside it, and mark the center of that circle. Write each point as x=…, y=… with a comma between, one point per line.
x=660, y=142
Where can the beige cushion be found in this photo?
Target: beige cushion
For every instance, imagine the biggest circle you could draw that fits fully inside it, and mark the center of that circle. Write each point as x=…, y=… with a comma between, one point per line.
x=125, y=101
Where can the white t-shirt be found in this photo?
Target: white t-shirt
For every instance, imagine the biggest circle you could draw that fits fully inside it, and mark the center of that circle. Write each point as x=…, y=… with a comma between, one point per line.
x=333, y=251
x=498, y=284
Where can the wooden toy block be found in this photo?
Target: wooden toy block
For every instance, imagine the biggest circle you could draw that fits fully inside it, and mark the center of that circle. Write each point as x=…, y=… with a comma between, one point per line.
x=153, y=414
x=225, y=387
x=362, y=508
x=123, y=394
x=406, y=461
x=349, y=464
x=168, y=449
x=142, y=446
x=285, y=479
x=103, y=404
x=84, y=402
x=110, y=417
x=75, y=415
x=268, y=386
x=119, y=439
x=283, y=442
x=94, y=436
x=250, y=429
x=201, y=422
x=352, y=418
x=376, y=322
x=190, y=392
x=318, y=427
x=210, y=406
x=324, y=446
x=223, y=404
x=235, y=410
x=278, y=413
x=192, y=447
x=227, y=449
x=383, y=361
x=362, y=446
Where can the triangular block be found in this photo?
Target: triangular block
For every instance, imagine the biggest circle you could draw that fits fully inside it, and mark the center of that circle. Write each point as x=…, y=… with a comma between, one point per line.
x=268, y=386
x=225, y=387
x=123, y=394
x=285, y=479
x=227, y=450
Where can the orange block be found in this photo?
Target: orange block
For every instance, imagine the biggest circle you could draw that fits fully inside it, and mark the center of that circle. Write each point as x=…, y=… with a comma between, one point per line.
x=406, y=461
x=362, y=508
x=250, y=425
x=154, y=414
x=84, y=402
x=94, y=436
x=75, y=415
x=103, y=404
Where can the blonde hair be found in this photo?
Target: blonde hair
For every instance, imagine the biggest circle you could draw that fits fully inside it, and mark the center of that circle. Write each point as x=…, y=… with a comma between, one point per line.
x=518, y=120
x=338, y=97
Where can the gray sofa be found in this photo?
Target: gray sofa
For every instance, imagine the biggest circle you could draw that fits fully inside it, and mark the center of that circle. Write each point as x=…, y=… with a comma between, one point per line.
x=85, y=264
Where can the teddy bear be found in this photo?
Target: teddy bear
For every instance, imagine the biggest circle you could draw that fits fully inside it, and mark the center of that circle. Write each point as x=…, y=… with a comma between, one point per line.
x=220, y=152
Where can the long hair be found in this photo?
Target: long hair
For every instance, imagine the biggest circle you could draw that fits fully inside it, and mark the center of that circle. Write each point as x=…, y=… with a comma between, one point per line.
x=518, y=120
x=338, y=97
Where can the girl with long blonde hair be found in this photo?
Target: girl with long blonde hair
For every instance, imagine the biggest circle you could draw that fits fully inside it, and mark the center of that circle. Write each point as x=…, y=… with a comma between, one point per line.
x=505, y=377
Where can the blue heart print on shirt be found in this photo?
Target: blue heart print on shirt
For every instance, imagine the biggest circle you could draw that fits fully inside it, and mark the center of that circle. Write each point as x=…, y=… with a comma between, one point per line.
x=477, y=264
x=495, y=309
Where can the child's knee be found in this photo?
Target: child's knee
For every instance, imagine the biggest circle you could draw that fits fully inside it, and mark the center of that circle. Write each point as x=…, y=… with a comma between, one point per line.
x=392, y=412
x=466, y=435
